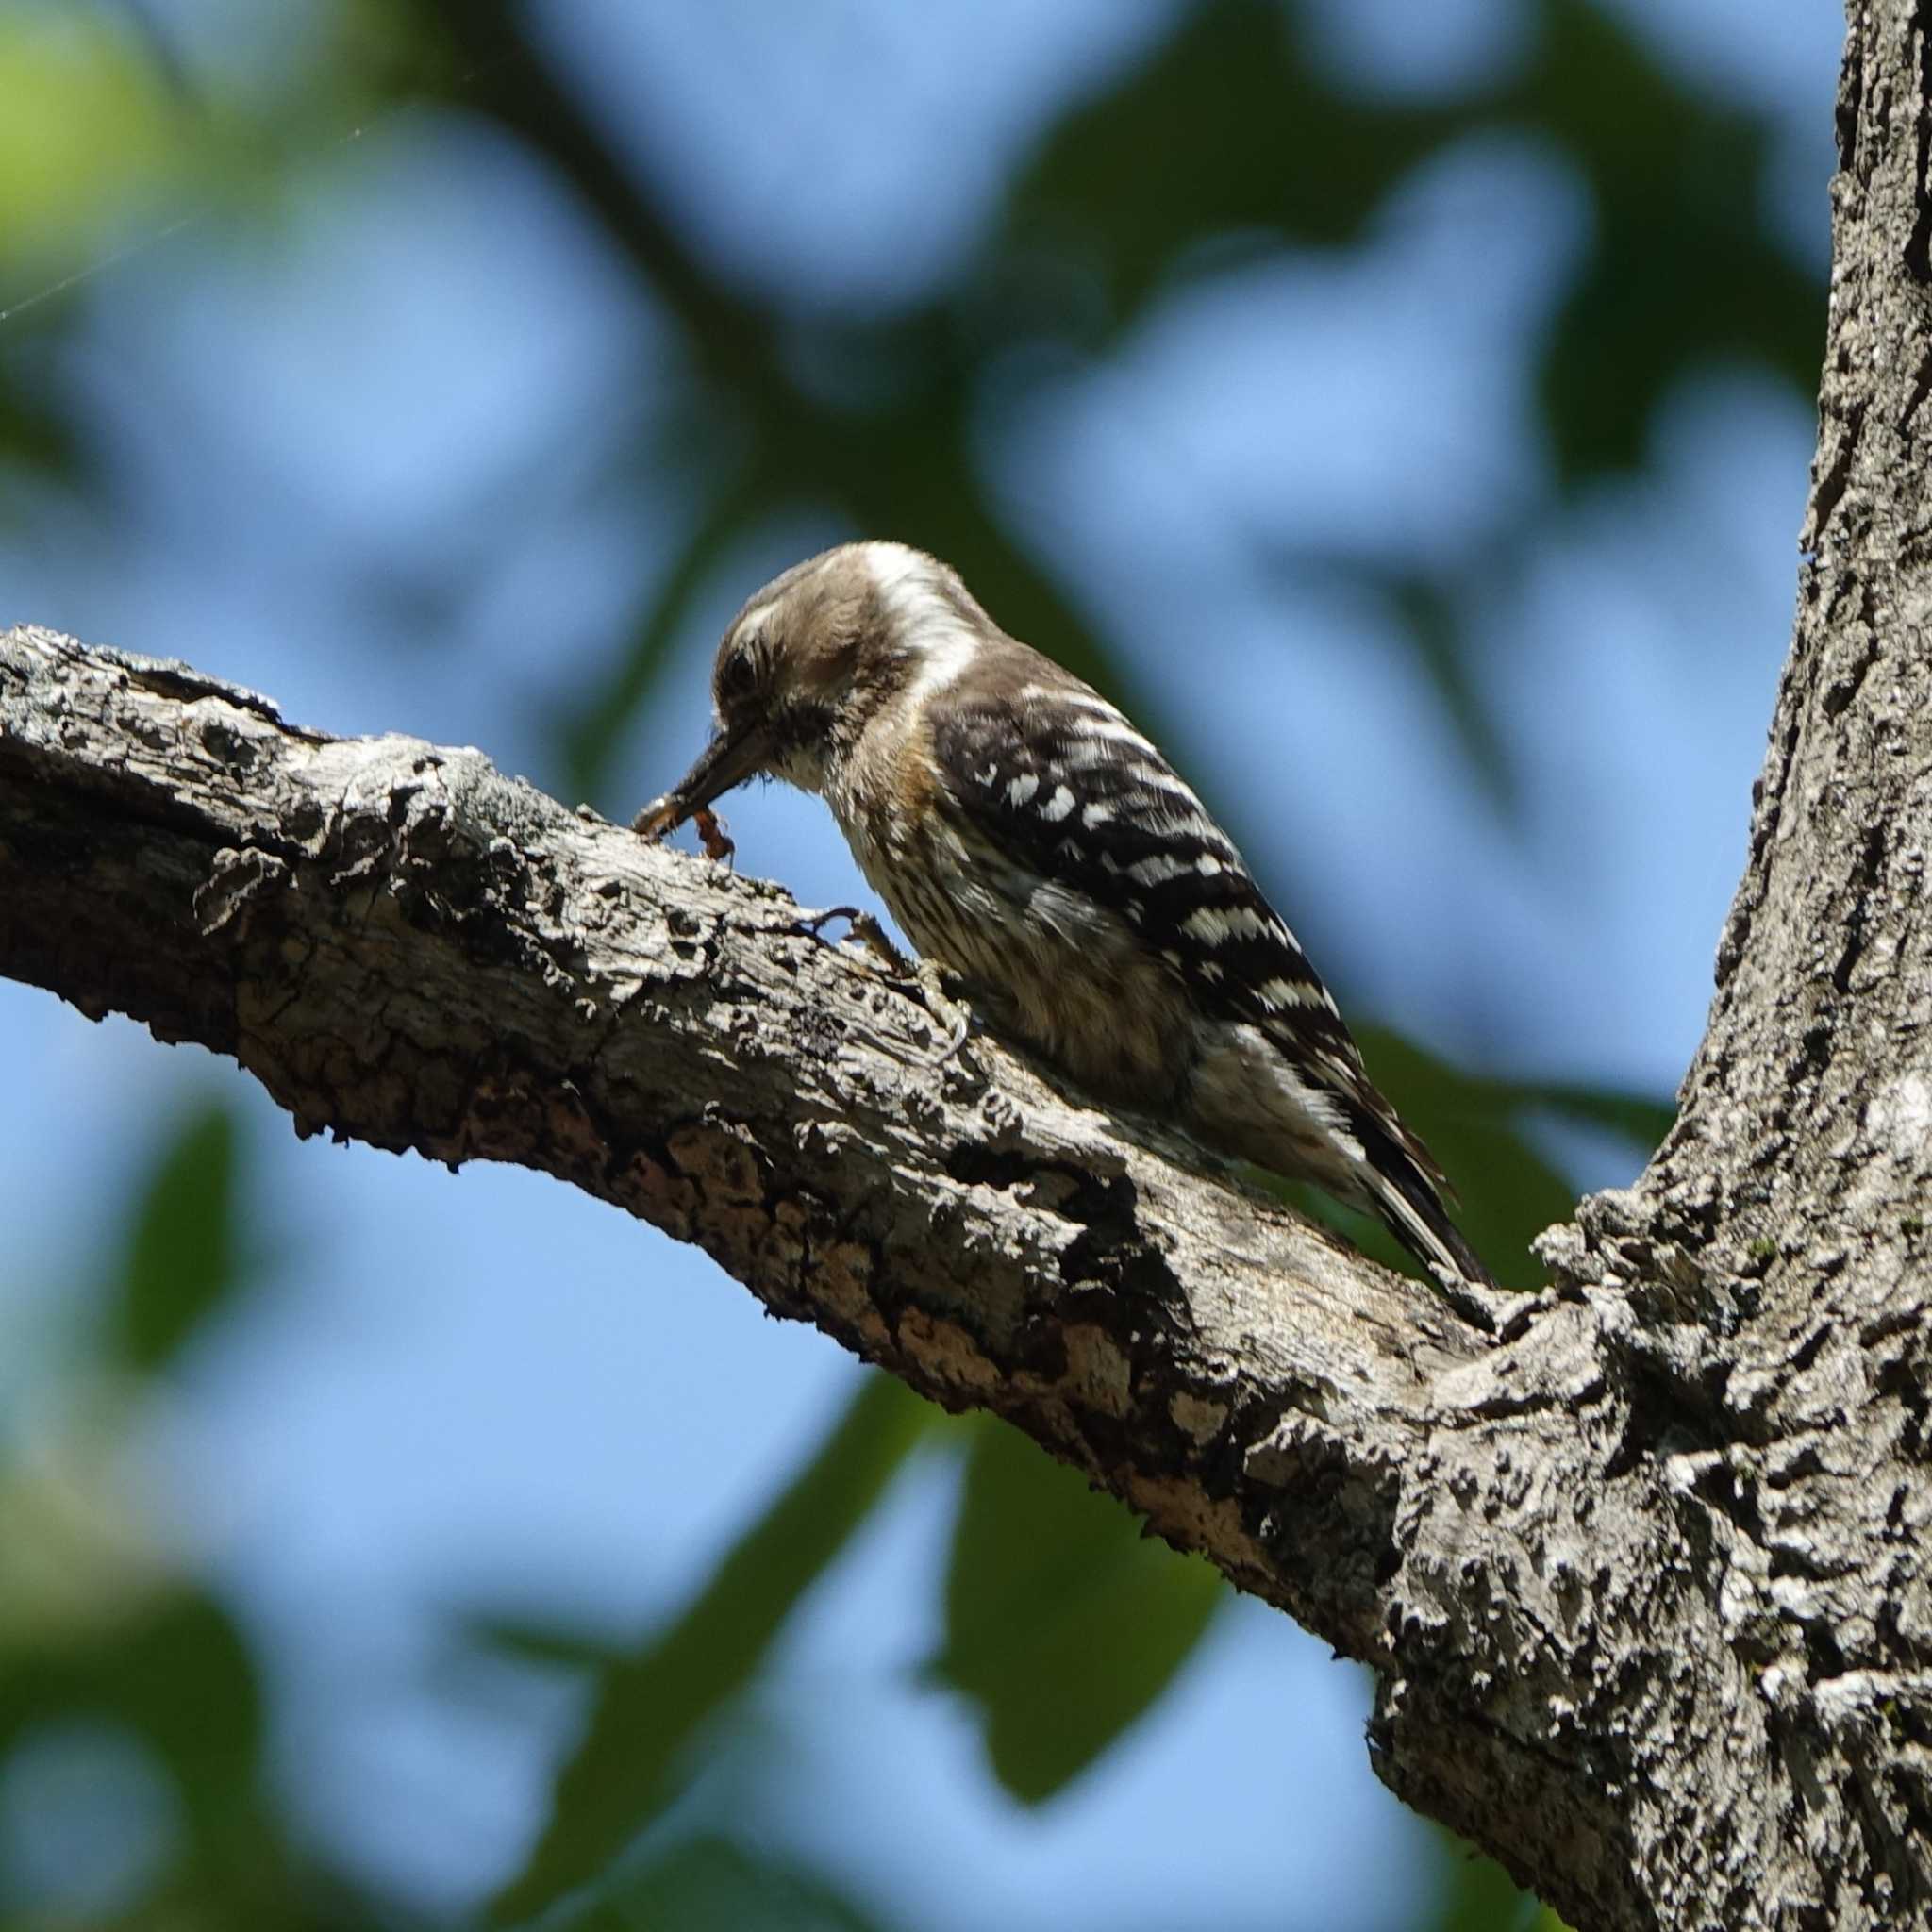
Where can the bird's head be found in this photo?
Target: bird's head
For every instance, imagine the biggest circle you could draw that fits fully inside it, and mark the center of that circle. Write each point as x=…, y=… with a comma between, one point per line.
x=809, y=659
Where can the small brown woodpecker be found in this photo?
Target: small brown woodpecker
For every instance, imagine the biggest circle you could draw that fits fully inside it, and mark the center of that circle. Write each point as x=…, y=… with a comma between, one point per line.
x=1030, y=840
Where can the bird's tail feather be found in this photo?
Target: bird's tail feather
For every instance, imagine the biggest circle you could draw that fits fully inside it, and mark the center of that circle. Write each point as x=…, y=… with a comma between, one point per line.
x=1412, y=1210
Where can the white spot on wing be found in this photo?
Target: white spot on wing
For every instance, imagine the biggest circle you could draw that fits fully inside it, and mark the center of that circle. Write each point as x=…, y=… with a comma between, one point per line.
x=1091, y=701
x=1115, y=729
x=1090, y=749
x=1059, y=806
x=1023, y=788
x=1214, y=927
x=1158, y=779
x=1289, y=992
x=1157, y=870
x=1100, y=725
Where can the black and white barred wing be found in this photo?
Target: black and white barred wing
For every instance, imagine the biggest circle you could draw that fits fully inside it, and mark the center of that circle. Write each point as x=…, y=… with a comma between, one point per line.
x=1058, y=778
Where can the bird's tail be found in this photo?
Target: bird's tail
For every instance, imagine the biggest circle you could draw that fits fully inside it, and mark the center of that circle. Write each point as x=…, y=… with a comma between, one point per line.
x=1402, y=1193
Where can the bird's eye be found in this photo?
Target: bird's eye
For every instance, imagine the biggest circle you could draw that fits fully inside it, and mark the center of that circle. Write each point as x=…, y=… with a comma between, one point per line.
x=737, y=676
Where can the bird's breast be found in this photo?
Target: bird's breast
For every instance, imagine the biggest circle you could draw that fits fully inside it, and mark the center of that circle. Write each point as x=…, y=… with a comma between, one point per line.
x=1064, y=973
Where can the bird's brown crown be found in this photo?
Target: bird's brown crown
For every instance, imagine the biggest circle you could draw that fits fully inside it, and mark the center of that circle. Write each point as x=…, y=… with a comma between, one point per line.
x=814, y=654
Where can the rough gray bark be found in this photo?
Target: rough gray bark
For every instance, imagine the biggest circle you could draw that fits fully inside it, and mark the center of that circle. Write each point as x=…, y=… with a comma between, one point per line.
x=1640, y=1581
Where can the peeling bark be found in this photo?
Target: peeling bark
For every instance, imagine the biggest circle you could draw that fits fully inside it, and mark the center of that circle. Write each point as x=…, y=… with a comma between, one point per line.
x=1641, y=1579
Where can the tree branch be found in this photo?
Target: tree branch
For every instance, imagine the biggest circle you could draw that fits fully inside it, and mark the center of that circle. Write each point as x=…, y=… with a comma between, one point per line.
x=406, y=948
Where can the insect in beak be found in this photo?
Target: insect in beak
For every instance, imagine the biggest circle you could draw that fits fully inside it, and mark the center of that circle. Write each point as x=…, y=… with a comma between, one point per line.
x=730, y=758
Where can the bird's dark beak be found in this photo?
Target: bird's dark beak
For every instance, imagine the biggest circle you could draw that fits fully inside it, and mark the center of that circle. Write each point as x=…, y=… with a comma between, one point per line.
x=730, y=758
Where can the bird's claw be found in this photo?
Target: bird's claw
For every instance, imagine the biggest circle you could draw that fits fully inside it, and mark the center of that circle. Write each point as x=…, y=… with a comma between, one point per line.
x=951, y=1014
x=865, y=928
x=954, y=1015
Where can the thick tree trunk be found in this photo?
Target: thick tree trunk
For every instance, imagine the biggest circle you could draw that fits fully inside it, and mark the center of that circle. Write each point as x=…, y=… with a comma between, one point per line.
x=1641, y=1580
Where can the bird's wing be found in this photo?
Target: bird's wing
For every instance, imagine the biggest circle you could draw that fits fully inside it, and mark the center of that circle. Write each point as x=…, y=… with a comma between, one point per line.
x=1057, y=778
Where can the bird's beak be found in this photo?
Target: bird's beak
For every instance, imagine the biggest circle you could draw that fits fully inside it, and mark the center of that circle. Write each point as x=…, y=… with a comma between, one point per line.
x=730, y=760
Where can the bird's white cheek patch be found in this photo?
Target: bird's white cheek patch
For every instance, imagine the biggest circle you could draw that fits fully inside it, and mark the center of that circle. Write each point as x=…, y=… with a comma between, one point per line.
x=930, y=625
x=943, y=654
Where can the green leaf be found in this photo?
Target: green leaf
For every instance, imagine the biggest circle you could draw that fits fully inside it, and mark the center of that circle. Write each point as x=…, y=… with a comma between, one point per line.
x=89, y=132
x=1229, y=135
x=649, y=1707
x=1639, y=1118
x=1439, y=616
x=707, y=1884
x=530, y=1642
x=1227, y=131
x=1477, y=1894
x=1064, y=1622
x=177, y=1675
x=1683, y=273
x=182, y=1259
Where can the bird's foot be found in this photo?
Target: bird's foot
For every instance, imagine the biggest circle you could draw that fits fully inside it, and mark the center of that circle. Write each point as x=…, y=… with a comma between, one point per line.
x=865, y=928
x=954, y=1015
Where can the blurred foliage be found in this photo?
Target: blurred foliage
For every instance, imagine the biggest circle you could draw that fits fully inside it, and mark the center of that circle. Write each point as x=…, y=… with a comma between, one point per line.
x=183, y=1259
x=649, y=1707
x=705, y=1884
x=85, y=133
x=104, y=1631
x=1064, y=1619
x=1477, y=1896
x=1228, y=141
x=1229, y=135
x=88, y=130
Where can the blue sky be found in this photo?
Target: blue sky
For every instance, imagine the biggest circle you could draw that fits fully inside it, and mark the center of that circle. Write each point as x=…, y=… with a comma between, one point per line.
x=484, y=1387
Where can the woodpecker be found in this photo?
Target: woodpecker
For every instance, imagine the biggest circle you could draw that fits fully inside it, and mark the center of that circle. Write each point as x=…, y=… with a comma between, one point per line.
x=1032, y=843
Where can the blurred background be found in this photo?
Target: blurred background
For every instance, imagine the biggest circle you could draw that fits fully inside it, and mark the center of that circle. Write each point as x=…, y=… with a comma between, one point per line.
x=1405, y=411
